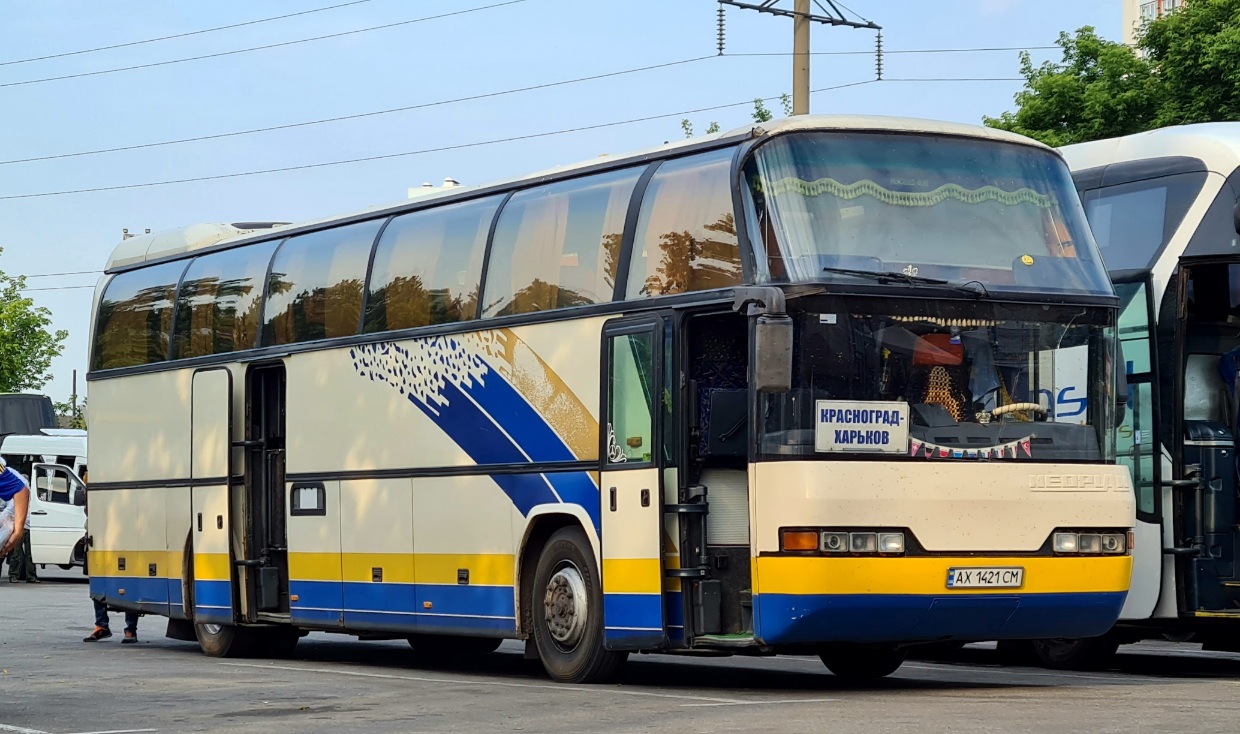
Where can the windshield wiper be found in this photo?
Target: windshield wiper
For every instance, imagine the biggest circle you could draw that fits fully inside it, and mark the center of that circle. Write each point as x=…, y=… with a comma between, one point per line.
x=972, y=287
x=886, y=276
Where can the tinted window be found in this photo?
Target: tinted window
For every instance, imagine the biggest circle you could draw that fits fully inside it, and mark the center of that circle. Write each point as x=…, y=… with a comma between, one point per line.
x=217, y=306
x=135, y=317
x=428, y=265
x=315, y=288
x=557, y=246
x=1132, y=221
x=686, y=236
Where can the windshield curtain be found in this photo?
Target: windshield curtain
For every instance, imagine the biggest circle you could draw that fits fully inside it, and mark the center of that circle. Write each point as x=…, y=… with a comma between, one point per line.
x=940, y=380
x=963, y=210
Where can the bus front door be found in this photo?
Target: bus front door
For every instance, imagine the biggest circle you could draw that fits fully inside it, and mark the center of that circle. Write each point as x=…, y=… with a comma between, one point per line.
x=631, y=490
x=211, y=594
x=265, y=566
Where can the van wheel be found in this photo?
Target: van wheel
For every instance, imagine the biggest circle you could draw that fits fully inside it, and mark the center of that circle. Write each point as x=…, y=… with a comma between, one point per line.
x=568, y=624
x=859, y=663
x=1087, y=653
x=224, y=640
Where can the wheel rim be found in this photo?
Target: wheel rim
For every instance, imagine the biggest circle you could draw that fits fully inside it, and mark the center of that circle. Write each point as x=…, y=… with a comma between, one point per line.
x=211, y=629
x=565, y=606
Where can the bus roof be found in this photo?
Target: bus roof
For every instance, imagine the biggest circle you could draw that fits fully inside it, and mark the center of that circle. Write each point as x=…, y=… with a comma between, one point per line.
x=170, y=243
x=1217, y=144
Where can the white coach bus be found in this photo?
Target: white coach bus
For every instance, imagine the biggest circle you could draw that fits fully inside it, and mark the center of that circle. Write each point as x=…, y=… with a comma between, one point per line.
x=835, y=385
x=1163, y=209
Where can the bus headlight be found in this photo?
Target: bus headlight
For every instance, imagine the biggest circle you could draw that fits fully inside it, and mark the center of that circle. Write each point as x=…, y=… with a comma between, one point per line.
x=1067, y=543
x=863, y=542
x=891, y=542
x=1090, y=543
x=834, y=542
x=1115, y=543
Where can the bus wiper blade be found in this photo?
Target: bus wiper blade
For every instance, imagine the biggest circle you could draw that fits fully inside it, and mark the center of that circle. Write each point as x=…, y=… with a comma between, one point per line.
x=888, y=276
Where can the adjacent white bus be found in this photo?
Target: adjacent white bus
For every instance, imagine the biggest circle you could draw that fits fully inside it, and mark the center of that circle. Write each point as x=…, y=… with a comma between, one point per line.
x=835, y=385
x=1163, y=209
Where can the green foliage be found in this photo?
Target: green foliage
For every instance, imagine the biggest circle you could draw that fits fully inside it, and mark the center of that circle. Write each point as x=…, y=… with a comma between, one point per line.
x=1101, y=89
x=785, y=101
x=76, y=416
x=1197, y=54
x=1187, y=70
x=26, y=344
x=760, y=112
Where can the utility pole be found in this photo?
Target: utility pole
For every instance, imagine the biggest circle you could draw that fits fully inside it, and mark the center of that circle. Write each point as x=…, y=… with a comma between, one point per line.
x=801, y=18
x=800, y=58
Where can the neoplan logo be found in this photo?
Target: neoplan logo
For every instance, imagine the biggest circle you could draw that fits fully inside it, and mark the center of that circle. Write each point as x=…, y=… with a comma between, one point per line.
x=1073, y=481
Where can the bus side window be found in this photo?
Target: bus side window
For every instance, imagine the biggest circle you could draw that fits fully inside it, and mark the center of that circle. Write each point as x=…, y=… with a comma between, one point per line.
x=558, y=246
x=315, y=288
x=686, y=235
x=217, y=305
x=428, y=265
x=134, y=324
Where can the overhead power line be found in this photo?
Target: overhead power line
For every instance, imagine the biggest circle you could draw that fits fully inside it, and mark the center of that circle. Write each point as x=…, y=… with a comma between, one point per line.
x=54, y=275
x=179, y=35
x=56, y=288
x=422, y=151
x=461, y=146
x=341, y=118
x=887, y=52
x=260, y=48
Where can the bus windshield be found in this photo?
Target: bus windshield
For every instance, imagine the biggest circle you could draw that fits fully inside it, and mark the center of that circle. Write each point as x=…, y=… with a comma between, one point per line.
x=1001, y=215
x=941, y=380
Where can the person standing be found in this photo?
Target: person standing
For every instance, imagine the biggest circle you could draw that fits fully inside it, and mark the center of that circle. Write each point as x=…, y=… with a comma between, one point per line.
x=21, y=560
x=15, y=489
x=103, y=628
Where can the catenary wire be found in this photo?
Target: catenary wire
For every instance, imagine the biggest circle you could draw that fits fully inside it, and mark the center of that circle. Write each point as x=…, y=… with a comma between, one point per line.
x=260, y=48
x=423, y=151
x=179, y=35
x=54, y=275
x=360, y=115
x=893, y=52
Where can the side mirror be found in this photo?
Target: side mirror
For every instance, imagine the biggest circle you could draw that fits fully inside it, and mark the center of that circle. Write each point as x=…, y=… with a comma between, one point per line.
x=772, y=353
x=79, y=496
x=1235, y=218
x=1121, y=385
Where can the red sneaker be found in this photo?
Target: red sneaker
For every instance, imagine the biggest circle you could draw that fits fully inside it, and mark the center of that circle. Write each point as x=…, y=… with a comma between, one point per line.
x=100, y=633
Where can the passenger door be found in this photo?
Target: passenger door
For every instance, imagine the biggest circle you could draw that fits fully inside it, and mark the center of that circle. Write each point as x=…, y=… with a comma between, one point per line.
x=210, y=477
x=57, y=514
x=631, y=484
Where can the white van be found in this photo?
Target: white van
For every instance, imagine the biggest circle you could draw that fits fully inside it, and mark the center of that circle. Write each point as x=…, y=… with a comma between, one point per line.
x=55, y=462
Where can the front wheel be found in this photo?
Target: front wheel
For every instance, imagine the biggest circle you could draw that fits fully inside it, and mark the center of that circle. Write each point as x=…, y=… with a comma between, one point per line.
x=1087, y=653
x=568, y=624
x=859, y=663
x=224, y=640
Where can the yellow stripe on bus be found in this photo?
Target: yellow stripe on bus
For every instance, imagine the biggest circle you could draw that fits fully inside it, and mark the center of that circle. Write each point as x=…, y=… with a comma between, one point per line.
x=632, y=576
x=928, y=575
x=426, y=568
x=137, y=563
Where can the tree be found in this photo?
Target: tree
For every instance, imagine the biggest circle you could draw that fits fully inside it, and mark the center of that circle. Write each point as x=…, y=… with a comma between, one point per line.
x=1186, y=69
x=760, y=114
x=27, y=346
x=1101, y=89
x=70, y=416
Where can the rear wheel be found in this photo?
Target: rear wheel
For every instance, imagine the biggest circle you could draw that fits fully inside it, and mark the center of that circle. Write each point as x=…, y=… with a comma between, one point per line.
x=449, y=645
x=568, y=624
x=858, y=662
x=224, y=640
x=1087, y=653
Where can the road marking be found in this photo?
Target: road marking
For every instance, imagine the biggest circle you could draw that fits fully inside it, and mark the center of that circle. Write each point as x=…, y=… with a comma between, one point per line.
x=117, y=731
x=20, y=729
x=476, y=682
x=759, y=702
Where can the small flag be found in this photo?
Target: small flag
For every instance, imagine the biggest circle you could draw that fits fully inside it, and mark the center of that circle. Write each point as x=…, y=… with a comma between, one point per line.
x=914, y=447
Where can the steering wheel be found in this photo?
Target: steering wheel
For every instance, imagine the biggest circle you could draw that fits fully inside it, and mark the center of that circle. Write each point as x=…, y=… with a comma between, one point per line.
x=1017, y=408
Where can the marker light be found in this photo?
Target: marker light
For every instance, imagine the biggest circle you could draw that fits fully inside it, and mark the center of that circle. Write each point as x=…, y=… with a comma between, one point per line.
x=834, y=543
x=800, y=540
x=1066, y=543
x=863, y=542
x=891, y=542
x=1114, y=542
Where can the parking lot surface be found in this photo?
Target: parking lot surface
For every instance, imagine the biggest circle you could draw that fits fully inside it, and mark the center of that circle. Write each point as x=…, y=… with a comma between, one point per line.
x=53, y=683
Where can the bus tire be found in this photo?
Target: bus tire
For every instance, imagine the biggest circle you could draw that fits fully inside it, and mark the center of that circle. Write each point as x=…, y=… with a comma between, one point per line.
x=1087, y=653
x=861, y=663
x=442, y=646
x=224, y=640
x=568, y=612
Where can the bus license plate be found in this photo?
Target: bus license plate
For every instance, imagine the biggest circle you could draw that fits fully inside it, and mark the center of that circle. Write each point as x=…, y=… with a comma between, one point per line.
x=973, y=578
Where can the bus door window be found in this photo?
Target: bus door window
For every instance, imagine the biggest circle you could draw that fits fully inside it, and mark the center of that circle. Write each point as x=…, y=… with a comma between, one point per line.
x=1135, y=444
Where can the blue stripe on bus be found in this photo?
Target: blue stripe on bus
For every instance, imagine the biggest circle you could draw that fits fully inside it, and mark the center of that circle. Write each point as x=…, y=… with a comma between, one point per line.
x=791, y=618
x=395, y=607
x=632, y=621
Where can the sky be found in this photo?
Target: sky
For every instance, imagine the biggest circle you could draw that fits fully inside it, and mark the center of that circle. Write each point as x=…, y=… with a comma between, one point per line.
x=523, y=43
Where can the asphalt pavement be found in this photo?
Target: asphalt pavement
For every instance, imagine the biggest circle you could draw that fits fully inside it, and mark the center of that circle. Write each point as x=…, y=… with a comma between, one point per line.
x=53, y=683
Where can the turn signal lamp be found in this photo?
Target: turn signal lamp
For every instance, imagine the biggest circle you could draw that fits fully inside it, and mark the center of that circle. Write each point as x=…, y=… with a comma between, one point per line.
x=799, y=540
